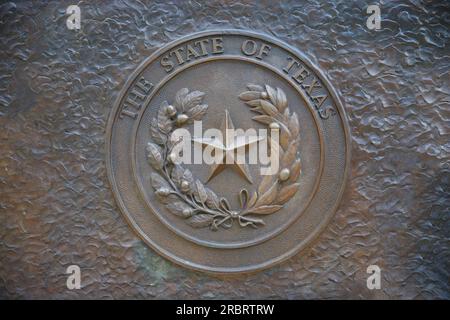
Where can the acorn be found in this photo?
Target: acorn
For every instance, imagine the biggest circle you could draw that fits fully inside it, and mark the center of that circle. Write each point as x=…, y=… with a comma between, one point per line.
x=264, y=95
x=172, y=157
x=274, y=126
x=171, y=111
x=181, y=119
x=284, y=174
x=184, y=186
x=162, y=192
x=187, y=212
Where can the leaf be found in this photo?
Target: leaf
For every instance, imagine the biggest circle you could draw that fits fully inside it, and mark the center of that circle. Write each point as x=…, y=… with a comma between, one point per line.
x=154, y=156
x=281, y=100
x=164, y=123
x=192, y=99
x=252, y=200
x=197, y=112
x=187, y=175
x=272, y=94
x=265, y=184
x=200, y=220
x=167, y=199
x=201, y=192
x=287, y=193
x=250, y=95
x=212, y=201
x=293, y=125
x=254, y=103
x=284, y=128
x=257, y=110
x=156, y=135
x=269, y=196
x=264, y=119
x=266, y=209
x=255, y=87
x=177, y=174
x=274, y=147
x=179, y=98
x=290, y=154
x=158, y=182
x=285, y=138
x=268, y=108
x=179, y=209
x=295, y=171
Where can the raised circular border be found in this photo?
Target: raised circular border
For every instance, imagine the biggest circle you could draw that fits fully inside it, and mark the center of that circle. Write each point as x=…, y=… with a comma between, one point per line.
x=278, y=230
x=268, y=263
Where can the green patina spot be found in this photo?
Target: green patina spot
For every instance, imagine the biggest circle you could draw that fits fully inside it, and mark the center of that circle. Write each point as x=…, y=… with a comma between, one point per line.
x=153, y=265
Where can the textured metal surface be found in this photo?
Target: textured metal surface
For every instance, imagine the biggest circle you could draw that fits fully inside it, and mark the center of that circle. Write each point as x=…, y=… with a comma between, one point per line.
x=58, y=86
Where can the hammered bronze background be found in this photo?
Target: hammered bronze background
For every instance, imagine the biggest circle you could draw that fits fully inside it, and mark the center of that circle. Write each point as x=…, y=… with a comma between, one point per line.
x=58, y=86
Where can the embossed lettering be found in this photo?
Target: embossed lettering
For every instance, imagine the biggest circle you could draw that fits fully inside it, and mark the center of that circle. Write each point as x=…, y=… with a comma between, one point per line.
x=300, y=74
x=167, y=64
x=177, y=52
x=202, y=43
x=180, y=55
x=135, y=98
x=263, y=51
x=319, y=100
x=291, y=63
x=314, y=84
x=190, y=52
x=250, y=48
x=144, y=85
x=217, y=45
x=326, y=112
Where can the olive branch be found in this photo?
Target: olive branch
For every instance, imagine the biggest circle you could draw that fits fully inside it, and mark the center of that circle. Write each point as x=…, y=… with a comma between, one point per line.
x=189, y=198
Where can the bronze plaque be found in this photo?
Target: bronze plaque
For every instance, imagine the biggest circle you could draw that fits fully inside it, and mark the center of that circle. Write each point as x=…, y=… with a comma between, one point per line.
x=61, y=77
x=228, y=215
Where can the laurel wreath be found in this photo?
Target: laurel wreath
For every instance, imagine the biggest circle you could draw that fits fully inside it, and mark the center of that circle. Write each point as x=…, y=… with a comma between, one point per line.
x=188, y=198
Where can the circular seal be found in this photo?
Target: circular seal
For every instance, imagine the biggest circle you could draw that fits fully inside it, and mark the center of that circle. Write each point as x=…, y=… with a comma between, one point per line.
x=227, y=151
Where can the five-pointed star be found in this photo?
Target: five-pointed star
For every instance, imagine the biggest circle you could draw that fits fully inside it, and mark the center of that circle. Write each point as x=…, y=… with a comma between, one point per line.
x=227, y=146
